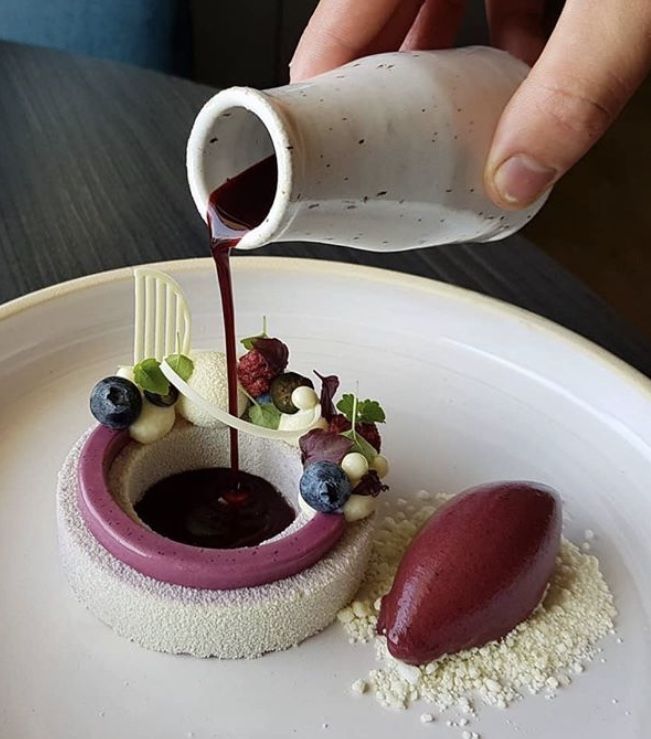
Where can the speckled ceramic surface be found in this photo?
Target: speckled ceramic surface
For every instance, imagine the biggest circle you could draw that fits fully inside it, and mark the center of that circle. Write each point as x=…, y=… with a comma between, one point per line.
x=386, y=153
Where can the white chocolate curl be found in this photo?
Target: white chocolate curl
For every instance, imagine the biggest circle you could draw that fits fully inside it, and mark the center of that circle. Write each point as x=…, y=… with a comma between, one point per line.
x=221, y=415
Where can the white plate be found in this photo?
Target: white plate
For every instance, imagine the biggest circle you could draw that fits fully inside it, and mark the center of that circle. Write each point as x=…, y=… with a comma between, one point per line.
x=474, y=390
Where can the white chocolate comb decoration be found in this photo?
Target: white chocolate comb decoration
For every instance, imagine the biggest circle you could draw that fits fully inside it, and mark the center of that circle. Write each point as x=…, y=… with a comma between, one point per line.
x=163, y=324
x=233, y=421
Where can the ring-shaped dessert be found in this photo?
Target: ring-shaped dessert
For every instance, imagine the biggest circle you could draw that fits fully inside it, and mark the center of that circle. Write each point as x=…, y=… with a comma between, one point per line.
x=169, y=561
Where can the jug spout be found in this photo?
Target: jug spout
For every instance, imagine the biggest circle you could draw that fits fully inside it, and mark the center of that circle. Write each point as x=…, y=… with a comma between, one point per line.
x=386, y=153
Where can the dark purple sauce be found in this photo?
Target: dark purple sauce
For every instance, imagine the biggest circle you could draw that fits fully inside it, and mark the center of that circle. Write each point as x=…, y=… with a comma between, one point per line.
x=216, y=508
x=224, y=508
x=234, y=208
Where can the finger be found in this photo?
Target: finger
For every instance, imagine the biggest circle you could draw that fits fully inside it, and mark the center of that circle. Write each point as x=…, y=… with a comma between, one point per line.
x=588, y=70
x=517, y=27
x=342, y=30
x=436, y=25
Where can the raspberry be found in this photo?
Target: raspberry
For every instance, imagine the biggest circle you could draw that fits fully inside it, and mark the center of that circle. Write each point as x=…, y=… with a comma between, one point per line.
x=368, y=431
x=254, y=373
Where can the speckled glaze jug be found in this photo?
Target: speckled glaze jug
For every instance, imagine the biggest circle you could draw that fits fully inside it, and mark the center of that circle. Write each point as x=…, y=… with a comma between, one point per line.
x=386, y=153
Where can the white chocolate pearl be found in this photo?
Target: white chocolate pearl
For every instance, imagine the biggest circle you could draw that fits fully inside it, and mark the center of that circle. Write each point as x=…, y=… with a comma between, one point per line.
x=125, y=371
x=358, y=507
x=381, y=465
x=354, y=465
x=153, y=423
x=304, y=398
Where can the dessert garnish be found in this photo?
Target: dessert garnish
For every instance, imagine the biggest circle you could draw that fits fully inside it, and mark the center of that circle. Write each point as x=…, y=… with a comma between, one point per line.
x=265, y=360
x=140, y=399
x=116, y=402
x=342, y=469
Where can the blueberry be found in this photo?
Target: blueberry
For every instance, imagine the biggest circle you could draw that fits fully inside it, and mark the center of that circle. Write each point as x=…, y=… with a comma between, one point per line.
x=115, y=402
x=163, y=401
x=325, y=487
x=264, y=399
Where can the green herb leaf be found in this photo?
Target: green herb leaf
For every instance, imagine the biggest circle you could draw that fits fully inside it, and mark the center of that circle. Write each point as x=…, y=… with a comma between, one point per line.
x=265, y=415
x=346, y=405
x=368, y=411
x=360, y=445
x=182, y=365
x=249, y=342
x=149, y=376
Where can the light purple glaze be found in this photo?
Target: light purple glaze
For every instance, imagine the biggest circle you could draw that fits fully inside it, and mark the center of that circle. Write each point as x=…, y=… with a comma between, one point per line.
x=180, y=564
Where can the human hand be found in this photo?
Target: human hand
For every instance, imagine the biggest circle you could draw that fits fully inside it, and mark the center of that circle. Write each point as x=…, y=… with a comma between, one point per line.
x=597, y=55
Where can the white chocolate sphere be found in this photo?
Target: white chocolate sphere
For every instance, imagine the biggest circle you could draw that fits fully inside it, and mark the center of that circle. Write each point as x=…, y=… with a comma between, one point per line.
x=209, y=379
x=381, y=465
x=153, y=423
x=358, y=507
x=355, y=466
x=304, y=398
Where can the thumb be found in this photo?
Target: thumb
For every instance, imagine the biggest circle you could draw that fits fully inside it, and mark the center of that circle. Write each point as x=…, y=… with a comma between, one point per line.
x=590, y=67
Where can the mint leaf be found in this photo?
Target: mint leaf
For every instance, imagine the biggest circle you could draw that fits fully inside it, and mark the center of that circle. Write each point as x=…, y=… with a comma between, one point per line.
x=182, y=365
x=346, y=405
x=360, y=445
x=249, y=342
x=265, y=415
x=368, y=411
x=149, y=376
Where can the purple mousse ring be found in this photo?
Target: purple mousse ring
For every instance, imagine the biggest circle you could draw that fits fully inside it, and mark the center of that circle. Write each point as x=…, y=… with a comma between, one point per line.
x=180, y=564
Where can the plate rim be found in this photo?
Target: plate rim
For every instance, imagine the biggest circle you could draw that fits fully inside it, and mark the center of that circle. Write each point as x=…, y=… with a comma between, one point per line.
x=588, y=348
x=542, y=329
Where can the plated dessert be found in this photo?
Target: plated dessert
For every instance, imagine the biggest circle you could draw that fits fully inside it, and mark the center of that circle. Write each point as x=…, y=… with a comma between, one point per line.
x=170, y=544
x=465, y=599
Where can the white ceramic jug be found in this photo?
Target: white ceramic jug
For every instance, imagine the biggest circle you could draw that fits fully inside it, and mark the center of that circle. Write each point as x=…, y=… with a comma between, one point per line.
x=385, y=153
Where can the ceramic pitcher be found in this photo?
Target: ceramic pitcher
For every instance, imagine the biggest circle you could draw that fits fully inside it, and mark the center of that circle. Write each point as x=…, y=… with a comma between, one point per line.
x=385, y=153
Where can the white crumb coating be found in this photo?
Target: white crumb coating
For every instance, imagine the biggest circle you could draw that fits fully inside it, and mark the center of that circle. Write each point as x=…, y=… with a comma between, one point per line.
x=543, y=653
x=241, y=623
x=209, y=379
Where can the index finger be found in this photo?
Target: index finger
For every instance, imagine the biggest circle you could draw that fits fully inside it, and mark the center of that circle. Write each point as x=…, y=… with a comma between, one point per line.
x=590, y=67
x=342, y=30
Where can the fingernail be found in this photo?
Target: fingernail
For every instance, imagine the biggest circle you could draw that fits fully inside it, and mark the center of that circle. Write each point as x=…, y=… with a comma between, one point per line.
x=521, y=179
